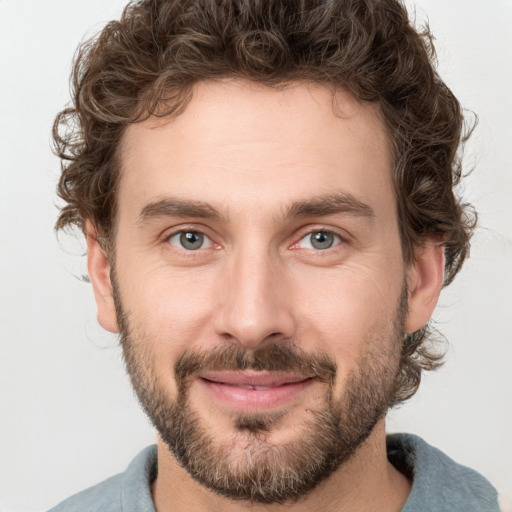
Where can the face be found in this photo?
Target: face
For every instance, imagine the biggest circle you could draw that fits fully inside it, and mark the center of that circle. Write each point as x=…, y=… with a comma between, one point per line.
x=259, y=283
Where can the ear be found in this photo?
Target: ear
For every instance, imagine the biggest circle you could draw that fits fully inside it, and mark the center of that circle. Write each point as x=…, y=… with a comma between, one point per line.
x=424, y=282
x=98, y=266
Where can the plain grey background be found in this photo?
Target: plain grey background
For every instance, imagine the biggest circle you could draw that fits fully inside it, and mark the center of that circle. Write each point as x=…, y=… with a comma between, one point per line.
x=68, y=415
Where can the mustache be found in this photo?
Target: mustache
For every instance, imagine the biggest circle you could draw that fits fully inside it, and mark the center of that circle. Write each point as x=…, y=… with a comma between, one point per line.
x=282, y=357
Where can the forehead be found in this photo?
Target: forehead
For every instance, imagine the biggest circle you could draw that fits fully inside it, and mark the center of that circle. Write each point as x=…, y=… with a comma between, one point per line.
x=240, y=144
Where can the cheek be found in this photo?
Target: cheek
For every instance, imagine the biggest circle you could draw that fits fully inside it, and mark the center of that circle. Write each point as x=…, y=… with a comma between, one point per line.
x=342, y=313
x=170, y=310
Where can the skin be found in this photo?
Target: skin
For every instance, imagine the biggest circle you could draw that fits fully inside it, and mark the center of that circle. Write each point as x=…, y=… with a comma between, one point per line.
x=250, y=152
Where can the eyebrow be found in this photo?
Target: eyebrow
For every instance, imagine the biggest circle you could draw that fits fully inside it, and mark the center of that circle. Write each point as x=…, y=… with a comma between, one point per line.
x=323, y=205
x=330, y=204
x=183, y=208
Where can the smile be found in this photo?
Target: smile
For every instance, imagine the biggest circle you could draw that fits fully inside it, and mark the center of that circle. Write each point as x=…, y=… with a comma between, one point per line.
x=251, y=391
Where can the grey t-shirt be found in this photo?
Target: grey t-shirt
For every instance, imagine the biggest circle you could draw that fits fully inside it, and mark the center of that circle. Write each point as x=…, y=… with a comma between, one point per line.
x=439, y=483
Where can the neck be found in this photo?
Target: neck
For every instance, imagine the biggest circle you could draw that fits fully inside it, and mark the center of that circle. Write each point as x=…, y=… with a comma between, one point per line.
x=367, y=481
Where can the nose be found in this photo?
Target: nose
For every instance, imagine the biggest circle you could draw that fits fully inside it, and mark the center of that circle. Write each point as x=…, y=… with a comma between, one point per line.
x=254, y=305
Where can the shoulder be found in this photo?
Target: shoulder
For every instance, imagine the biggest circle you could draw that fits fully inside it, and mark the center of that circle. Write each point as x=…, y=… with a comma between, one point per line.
x=105, y=496
x=439, y=483
x=126, y=492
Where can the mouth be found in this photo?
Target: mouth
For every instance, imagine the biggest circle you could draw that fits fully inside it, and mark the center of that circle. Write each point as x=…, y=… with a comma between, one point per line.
x=251, y=391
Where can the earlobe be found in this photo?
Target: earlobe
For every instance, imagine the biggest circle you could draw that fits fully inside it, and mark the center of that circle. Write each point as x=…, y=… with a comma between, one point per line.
x=424, y=282
x=98, y=266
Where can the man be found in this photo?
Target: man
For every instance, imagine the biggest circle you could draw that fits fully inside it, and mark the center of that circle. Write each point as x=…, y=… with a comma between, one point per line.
x=266, y=191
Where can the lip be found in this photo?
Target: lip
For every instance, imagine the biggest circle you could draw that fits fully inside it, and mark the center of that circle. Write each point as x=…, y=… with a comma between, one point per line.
x=248, y=391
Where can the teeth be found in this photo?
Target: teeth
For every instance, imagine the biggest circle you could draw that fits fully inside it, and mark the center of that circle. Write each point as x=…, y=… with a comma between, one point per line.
x=257, y=388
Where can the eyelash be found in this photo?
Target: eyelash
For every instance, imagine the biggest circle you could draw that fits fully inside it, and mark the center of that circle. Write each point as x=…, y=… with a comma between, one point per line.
x=338, y=239
x=184, y=231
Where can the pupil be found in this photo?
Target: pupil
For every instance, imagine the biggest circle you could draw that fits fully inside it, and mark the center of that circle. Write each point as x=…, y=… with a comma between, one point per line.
x=191, y=240
x=321, y=240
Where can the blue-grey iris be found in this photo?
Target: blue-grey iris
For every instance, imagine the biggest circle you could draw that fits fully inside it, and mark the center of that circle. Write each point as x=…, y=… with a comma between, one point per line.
x=322, y=240
x=191, y=240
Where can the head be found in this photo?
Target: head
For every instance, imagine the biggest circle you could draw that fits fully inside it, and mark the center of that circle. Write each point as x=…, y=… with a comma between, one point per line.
x=248, y=122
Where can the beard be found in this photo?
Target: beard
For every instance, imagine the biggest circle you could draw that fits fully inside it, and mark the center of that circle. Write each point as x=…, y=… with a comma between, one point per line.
x=261, y=471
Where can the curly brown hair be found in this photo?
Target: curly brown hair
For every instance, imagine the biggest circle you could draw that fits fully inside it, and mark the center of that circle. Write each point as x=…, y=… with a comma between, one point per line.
x=147, y=63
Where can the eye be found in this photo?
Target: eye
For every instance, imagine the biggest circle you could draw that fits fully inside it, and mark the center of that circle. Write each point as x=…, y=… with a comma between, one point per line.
x=319, y=240
x=190, y=240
